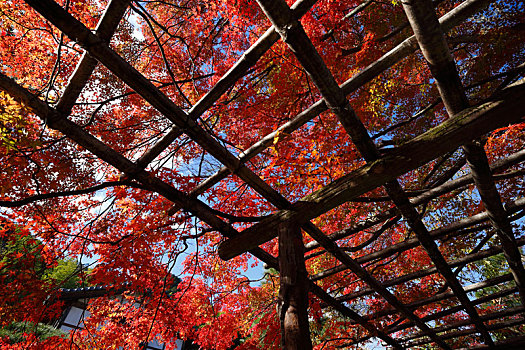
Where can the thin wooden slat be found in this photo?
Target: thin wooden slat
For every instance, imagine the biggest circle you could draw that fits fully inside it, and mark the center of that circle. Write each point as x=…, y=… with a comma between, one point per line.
x=432, y=317
x=248, y=59
x=515, y=343
x=105, y=28
x=454, y=229
x=430, y=194
x=429, y=271
x=347, y=312
x=423, y=198
x=445, y=295
x=58, y=121
x=460, y=333
x=486, y=317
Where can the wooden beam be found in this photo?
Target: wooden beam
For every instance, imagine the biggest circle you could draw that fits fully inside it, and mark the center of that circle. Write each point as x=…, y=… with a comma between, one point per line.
x=454, y=229
x=460, y=333
x=105, y=28
x=429, y=271
x=443, y=296
x=399, y=327
x=499, y=111
x=408, y=46
x=249, y=58
x=486, y=317
x=424, y=22
x=77, y=31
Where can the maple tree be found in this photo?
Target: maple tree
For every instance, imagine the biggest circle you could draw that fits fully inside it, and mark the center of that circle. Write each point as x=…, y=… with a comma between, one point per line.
x=126, y=164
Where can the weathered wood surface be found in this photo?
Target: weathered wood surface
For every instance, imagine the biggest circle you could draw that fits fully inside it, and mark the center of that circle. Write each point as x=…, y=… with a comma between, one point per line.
x=497, y=112
x=293, y=289
x=58, y=121
x=105, y=29
x=431, y=40
x=408, y=46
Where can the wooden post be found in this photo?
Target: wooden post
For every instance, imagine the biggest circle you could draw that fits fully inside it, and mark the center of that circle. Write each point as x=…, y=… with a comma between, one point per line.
x=293, y=292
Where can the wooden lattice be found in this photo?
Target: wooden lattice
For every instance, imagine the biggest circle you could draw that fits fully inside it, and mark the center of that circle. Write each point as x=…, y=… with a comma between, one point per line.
x=465, y=128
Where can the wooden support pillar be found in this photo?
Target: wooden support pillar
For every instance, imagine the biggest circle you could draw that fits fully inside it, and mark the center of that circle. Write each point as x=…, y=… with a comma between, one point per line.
x=293, y=291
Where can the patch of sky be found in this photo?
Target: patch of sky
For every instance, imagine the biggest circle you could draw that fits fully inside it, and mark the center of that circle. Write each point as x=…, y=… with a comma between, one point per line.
x=135, y=21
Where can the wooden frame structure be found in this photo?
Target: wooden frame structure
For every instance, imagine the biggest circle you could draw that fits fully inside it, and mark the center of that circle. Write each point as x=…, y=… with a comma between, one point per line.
x=380, y=170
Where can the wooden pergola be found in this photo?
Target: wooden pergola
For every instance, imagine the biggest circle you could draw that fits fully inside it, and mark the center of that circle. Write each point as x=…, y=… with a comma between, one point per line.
x=466, y=125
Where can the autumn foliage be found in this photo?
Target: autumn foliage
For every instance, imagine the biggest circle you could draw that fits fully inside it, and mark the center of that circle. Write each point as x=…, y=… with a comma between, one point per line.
x=57, y=192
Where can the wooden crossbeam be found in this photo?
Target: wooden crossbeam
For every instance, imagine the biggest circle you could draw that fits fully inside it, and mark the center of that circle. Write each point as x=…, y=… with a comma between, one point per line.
x=446, y=295
x=498, y=111
x=56, y=120
x=150, y=93
x=460, y=333
x=455, y=229
x=249, y=58
x=486, y=317
x=452, y=310
x=133, y=78
x=105, y=29
x=402, y=50
x=431, y=39
x=469, y=258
